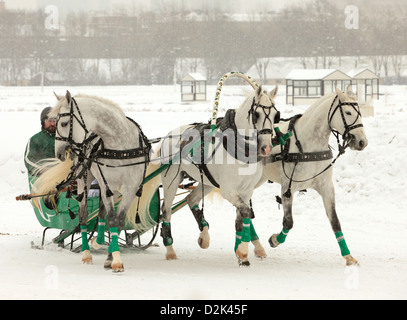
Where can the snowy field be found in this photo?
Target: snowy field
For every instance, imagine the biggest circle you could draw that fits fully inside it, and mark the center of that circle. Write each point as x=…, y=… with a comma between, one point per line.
x=371, y=204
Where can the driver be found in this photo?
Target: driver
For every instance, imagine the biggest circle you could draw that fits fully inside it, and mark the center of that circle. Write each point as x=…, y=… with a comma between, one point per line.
x=42, y=144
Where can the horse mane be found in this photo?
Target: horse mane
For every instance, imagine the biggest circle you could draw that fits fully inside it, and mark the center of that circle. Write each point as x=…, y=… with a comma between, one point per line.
x=61, y=102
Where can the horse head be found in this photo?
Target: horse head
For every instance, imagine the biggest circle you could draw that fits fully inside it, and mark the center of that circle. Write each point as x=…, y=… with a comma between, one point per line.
x=68, y=117
x=346, y=118
x=262, y=115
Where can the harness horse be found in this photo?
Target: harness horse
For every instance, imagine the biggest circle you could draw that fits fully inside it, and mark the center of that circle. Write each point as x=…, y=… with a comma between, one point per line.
x=212, y=155
x=110, y=147
x=306, y=160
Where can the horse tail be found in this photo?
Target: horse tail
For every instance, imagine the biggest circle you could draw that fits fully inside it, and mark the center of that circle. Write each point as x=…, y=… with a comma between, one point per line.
x=141, y=206
x=214, y=194
x=52, y=171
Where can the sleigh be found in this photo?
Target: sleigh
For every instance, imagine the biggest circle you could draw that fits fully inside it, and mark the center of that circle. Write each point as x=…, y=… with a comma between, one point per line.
x=60, y=212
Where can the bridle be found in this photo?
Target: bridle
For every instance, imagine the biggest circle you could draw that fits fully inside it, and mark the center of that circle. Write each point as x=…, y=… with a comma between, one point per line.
x=348, y=127
x=76, y=147
x=267, y=111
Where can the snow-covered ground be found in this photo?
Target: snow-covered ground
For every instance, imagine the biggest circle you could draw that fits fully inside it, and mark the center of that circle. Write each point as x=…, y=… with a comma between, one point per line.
x=371, y=200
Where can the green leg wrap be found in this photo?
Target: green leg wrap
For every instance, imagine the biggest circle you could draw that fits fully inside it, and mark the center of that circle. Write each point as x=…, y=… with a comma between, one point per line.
x=342, y=243
x=243, y=235
x=100, y=239
x=238, y=239
x=114, y=240
x=166, y=234
x=246, y=230
x=84, y=235
x=283, y=234
x=253, y=234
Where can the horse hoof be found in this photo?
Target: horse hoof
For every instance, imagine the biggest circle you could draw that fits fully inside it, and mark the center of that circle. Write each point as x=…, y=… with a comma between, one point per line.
x=243, y=263
x=117, y=268
x=273, y=241
x=204, y=244
x=86, y=257
x=117, y=264
x=108, y=262
x=171, y=256
x=351, y=261
x=95, y=245
x=260, y=254
x=259, y=251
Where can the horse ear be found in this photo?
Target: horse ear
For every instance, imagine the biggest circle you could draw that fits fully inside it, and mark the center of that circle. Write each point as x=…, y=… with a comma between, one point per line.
x=340, y=94
x=273, y=93
x=259, y=91
x=68, y=96
x=57, y=96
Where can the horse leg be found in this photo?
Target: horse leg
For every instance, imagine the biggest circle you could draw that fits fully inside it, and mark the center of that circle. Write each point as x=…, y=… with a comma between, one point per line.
x=99, y=241
x=259, y=251
x=242, y=226
x=170, y=190
x=114, y=251
x=328, y=196
x=82, y=198
x=288, y=222
x=193, y=200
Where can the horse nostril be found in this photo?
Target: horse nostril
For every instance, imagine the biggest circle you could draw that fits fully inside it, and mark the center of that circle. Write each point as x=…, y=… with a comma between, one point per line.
x=361, y=144
x=265, y=150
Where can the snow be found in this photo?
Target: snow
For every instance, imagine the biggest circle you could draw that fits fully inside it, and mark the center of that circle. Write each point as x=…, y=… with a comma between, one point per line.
x=371, y=199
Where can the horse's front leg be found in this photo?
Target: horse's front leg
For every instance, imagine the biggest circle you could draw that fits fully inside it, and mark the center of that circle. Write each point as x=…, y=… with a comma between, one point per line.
x=114, y=260
x=99, y=241
x=242, y=226
x=171, y=181
x=82, y=199
x=327, y=193
x=288, y=222
x=259, y=251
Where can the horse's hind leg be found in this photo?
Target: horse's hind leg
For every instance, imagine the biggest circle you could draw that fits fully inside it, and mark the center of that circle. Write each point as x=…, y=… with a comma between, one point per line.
x=193, y=200
x=328, y=197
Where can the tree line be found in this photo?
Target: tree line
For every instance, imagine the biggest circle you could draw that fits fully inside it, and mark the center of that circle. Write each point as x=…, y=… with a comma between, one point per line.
x=157, y=47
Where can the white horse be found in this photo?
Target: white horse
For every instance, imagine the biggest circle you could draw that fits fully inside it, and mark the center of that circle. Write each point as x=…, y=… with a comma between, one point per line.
x=306, y=162
x=229, y=160
x=105, y=145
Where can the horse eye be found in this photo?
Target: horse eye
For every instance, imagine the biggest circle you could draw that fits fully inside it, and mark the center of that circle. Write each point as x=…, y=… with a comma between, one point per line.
x=64, y=124
x=348, y=113
x=255, y=116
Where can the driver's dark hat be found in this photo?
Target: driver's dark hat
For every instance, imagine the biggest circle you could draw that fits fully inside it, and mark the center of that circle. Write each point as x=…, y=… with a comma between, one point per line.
x=44, y=115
